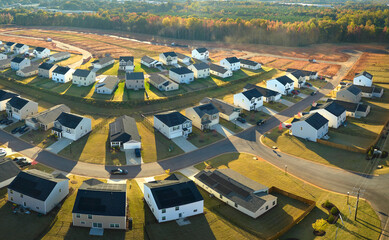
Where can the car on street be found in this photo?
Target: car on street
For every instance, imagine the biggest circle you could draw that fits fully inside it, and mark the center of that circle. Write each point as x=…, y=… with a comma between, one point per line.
x=3, y=153
x=242, y=120
x=260, y=122
x=313, y=93
x=137, y=152
x=15, y=130
x=119, y=171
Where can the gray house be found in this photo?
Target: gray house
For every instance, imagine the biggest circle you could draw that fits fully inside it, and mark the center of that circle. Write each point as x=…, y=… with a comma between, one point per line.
x=46, y=70
x=135, y=80
x=203, y=117
x=123, y=132
x=46, y=119
x=349, y=94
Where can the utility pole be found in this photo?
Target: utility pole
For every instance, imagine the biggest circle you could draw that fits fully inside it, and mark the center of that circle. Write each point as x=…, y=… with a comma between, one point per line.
x=356, y=207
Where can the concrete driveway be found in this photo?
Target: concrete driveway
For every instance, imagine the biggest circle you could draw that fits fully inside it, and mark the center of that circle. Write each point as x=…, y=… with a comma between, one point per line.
x=184, y=144
x=131, y=159
x=286, y=102
x=59, y=145
x=242, y=125
x=269, y=111
x=302, y=95
x=223, y=130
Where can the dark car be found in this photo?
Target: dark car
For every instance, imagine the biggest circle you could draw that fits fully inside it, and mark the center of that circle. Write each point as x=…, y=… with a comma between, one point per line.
x=19, y=159
x=8, y=122
x=260, y=122
x=24, y=163
x=308, y=84
x=119, y=171
x=15, y=130
x=24, y=130
x=313, y=93
x=2, y=121
x=137, y=152
x=295, y=92
x=242, y=120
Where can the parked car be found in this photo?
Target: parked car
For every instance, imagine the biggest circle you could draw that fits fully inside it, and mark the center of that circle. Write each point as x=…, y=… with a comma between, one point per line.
x=2, y=121
x=294, y=92
x=19, y=159
x=23, y=164
x=9, y=122
x=137, y=152
x=24, y=129
x=242, y=120
x=308, y=84
x=313, y=93
x=15, y=130
x=3, y=153
x=260, y=122
x=119, y=171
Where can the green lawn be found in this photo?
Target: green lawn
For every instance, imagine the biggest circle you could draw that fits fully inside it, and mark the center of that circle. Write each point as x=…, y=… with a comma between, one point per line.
x=306, y=91
x=201, y=139
x=292, y=98
x=318, y=83
x=39, y=138
x=253, y=116
x=272, y=176
x=277, y=106
x=230, y=125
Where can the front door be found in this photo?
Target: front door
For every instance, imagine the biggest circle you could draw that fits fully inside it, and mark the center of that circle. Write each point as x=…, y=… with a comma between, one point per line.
x=180, y=215
x=97, y=225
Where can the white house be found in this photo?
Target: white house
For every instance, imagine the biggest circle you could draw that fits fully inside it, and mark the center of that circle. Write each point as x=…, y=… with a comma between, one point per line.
x=283, y=85
x=363, y=79
x=268, y=95
x=312, y=126
x=200, y=70
x=181, y=75
x=83, y=77
x=227, y=111
x=38, y=191
x=21, y=108
x=103, y=62
x=236, y=190
x=252, y=65
x=45, y=119
x=219, y=71
x=173, y=198
x=173, y=124
x=5, y=96
x=62, y=74
x=150, y=62
x=41, y=52
x=126, y=63
x=335, y=113
x=250, y=100
x=200, y=53
x=107, y=85
x=163, y=83
x=72, y=126
x=3, y=56
x=21, y=48
x=182, y=58
x=168, y=58
x=9, y=47
x=18, y=63
x=100, y=205
x=8, y=171
x=204, y=116
x=59, y=56
x=303, y=75
x=231, y=63
x=123, y=133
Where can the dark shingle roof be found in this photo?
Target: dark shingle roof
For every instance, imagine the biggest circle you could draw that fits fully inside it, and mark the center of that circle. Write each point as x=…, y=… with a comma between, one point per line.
x=35, y=184
x=232, y=60
x=222, y=106
x=332, y=107
x=175, y=190
x=316, y=120
x=127, y=59
x=61, y=70
x=46, y=66
x=171, y=54
x=353, y=89
x=284, y=80
x=40, y=49
x=248, y=62
x=135, y=76
x=69, y=120
x=19, y=45
x=218, y=68
x=200, y=66
x=17, y=102
x=17, y=59
x=181, y=70
x=98, y=198
x=362, y=108
x=365, y=89
x=300, y=73
x=104, y=60
x=252, y=93
x=9, y=44
x=172, y=119
x=364, y=73
x=8, y=169
x=208, y=108
x=264, y=91
x=81, y=73
x=124, y=129
x=349, y=106
x=201, y=50
x=5, y=95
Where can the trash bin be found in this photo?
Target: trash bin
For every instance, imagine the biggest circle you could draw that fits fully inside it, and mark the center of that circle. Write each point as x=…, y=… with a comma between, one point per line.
x=130, y=223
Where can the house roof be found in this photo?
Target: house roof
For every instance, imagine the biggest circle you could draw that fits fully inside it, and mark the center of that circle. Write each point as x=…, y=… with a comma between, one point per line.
x=365, y=89
x=40, y=49
x=264, y=91
x=18, y=102
x=60, y=54
x=222, y=106
x=98, y=198
x=316, y=120
x=124, y=129
x=300, y=73
x=236, y=187
x=5, y=62
x=332, y=107
x=200, y=66
x=182, y=56
x=69, y=120
x=36, y=184
x=81, y=73
x=349, y=106
x=284, y=80
x=366, y=74
x=5, y=95
x=181, y=70
x=172, y=119
x=134, y=76
x=232, y=59
x=49, y=115
x=31, y=68
x=104, y=60
x=148, y=59
x=201, y=50
x=208, y=108
x=46, y=66
x=9, y=44
x=175, y=190
x=61, y=70
x=362, y=108
x=109, y=82
x=171, y=54
x=218, y=68
x=17, y=59
x=158, y=79
x=252, y=93
x=353, y=89
x=8, y=169
x=19, y=45
x=248, y=62
x=127, y=59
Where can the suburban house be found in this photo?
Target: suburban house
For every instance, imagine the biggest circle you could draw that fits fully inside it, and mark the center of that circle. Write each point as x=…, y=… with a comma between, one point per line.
x=182, y=58
x=46, y=70
x=19, y=63
x=3, y=56
x=163, y=83
x=227, y=111
x=8, y=171
x=349, y=93
x=231, y=63
x=204, y=116
x=103, y=62
x=173, y=124
x=168, y=58
x=268, y=95
x=238, y=191
x=5, y=96
x=123, y=133
x=200, y=53
x=21, y=48
x=100, y=205
x=62, y=74
x=37, y=190
x=83, y=77
x=28, y=71
x=356, y=110
x=6, y=63
x=303, y=75
x=283, y=85
x=335, y=113
x=363, y=79
x=59, y=56
x=250, y=100
x=21, y=108
x=200, y=70
x=107, y=85
x=150, y=62
x=135, y=80
x=71, y=126
x=41, y=52
x=245, y=63
x=46, y=119
x=311, y=127
x=173, y=198
x=9, y=47
x=181, y=75
x=126, y=63
x=371, y=92
x=219, y=71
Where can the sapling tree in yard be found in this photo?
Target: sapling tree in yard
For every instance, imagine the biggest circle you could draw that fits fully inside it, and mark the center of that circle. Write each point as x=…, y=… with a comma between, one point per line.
x=319, y=225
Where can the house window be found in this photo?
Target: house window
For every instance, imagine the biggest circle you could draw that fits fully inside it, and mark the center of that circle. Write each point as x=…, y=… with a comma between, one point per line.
x=301, y=128
x=78, y=215
x=274, y=203
x=89, y=216
x=221, y=197
x=21, y=195
x=60, y=190
x=12, y=198
x=148, y=195
x=177, y=208
x=267, y=207
x=163, y=218
x=37, y=207
x=24, y=204
x=117, y=225
x=163, y=210
x=236, y=205
x=11, y=191
x=111, y=225
x=82, y=222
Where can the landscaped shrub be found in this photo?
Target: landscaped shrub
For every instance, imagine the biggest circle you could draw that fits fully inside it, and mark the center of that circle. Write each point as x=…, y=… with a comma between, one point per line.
x=327, y=204
x=384, y=154
x=334, y=211
x=331, y=219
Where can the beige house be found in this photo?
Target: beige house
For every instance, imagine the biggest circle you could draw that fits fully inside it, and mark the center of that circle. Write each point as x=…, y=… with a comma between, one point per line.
x=135, y=80
x=349, y=94
x=46, y=70
x=100, y=205
x=163, y=83
x=84, y=77
x=21, y=108
x=28, y=71
x=203, y=117
x=46, y=119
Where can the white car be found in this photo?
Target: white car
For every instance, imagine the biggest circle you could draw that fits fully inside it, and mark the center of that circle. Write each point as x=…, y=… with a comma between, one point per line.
x=3, y=153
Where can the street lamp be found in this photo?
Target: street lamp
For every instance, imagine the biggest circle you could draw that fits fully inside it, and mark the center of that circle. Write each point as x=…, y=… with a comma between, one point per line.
x=348, y=195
